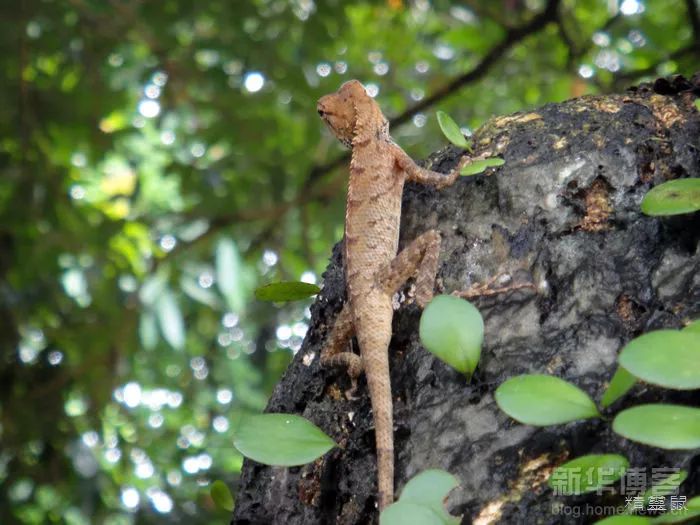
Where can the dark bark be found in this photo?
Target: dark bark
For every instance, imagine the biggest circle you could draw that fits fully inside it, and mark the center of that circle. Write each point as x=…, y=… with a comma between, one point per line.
x=564, y=212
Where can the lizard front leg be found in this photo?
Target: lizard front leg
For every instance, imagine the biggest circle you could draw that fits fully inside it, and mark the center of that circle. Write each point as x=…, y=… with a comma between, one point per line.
x=502, y=283
x=428, y=249
x=424, y=176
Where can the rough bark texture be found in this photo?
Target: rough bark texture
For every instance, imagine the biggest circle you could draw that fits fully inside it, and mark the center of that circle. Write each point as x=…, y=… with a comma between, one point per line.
x=564, y=210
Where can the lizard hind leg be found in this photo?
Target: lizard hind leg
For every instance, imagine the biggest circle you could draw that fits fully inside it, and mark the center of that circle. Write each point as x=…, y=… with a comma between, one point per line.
x=335, y=353
x=420, y=260
x=500, y=284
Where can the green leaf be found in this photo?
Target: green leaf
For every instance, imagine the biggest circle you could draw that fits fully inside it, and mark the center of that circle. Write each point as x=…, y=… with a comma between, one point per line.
x=544, y=400
x=430, y=488
x=479, y=166
x=660, y=425
x=677, y=516
x=152, y=288
x=115, y=121
x=451, y=130
x=587, y=473
x=667, y=358
x=204, y=295
x=691, y=510
x=620, y=384
x=170, y=319
x=401, y=513
x=286, y=291
x=281, y=439
x=624, y=520
x=221, y=495
x=229, y=268
x=673, y=197
x=697, y=104
x=667, y=486
x=148, y=330
x=453, y=330
x=422, y=500
x=693, y=327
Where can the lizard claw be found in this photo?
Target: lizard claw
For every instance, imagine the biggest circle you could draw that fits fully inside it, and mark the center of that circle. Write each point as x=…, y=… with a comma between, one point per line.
x=351, y=395
x=454, y=174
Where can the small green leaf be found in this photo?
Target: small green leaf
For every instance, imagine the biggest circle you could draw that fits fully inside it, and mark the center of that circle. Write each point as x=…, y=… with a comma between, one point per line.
x=170, y=319
x=400, y=513
x=115, y=121
x=660, y=425
x=542, y=400
x=229, y=274
x=422, y=500
x=620, y=384
x=677, y=516
x=667, y=358
x=286, y=291
x=281, y=439
x=478, y=166
x=148, y=329
x=667, y=486
x=453, y=330
x=693, y=327
x=587, y=473
x=430, y=488
x=624, y=520
x=204, y=295
x=151, y=288
x=451, y=130
x=673, y=197
x=221, y=495
x=697, y=104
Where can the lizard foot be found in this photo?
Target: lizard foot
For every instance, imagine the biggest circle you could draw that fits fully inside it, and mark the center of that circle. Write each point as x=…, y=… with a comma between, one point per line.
x=502, y=283
x=351, y=395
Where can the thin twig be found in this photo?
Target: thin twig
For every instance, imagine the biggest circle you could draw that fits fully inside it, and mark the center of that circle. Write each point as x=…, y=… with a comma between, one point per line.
x=624, y=78
x=306, y=192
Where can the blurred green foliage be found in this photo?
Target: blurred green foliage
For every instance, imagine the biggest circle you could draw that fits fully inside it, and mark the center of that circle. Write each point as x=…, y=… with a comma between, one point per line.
x=162, y=159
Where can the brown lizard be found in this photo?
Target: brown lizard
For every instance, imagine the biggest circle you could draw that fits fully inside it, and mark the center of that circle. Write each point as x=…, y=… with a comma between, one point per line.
x=374, y=271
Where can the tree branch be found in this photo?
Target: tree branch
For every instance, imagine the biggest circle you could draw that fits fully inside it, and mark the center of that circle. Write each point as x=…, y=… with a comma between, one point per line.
x=574, y=51
x=306, y=191
x=513, y=37
x=626, y=77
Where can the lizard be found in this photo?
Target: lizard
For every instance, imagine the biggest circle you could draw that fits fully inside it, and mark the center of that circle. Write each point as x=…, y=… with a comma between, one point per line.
x=374, y=271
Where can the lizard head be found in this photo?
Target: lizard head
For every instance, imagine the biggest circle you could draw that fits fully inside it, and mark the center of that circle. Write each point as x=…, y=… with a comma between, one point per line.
x=352, y=115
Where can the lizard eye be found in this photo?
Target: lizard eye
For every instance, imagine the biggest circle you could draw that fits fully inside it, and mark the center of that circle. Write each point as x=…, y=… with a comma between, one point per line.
x=321, y=112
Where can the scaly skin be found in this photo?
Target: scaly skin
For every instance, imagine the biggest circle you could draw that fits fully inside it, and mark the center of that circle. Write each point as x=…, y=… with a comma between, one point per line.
x=374, y=272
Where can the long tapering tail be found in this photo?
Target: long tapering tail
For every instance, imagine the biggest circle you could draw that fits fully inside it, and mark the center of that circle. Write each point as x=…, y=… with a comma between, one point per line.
x=379, y=383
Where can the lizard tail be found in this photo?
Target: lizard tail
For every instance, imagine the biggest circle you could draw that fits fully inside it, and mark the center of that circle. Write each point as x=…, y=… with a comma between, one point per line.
x=379, y=383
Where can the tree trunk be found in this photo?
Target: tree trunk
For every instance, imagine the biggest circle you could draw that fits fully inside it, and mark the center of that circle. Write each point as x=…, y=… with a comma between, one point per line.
x=564, y=212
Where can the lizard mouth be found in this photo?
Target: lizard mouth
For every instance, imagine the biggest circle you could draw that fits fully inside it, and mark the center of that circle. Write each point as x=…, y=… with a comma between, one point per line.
x=322, y=112
x=334, y=122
